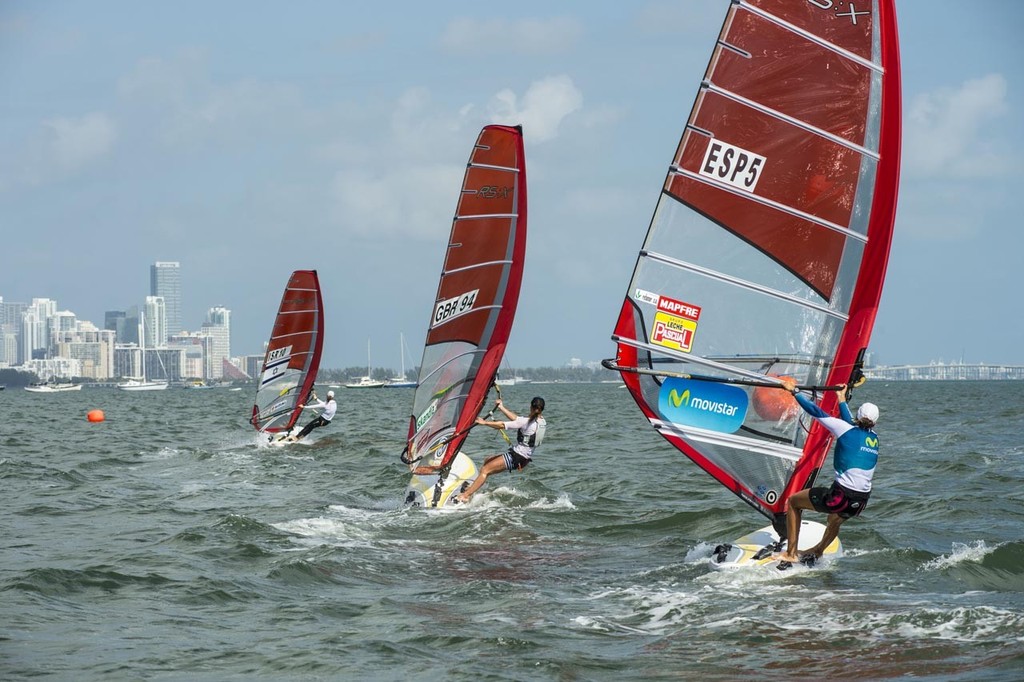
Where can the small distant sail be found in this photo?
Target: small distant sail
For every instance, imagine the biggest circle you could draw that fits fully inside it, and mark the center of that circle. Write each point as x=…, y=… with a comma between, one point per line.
x=476, y=297
x=293, y=355
x=769, y=243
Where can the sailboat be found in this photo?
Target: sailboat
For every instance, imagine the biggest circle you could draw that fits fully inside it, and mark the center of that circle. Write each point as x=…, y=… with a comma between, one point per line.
x=368, y=380
x=767, y=251
x=51, y=387
x=401, y=381
x=143, y=383
x=472, y=315
x=293, y=355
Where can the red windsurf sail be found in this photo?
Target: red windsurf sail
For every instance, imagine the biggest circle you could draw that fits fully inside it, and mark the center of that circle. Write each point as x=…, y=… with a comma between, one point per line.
x=476, y=297
x=293, y=355
x=768, y=247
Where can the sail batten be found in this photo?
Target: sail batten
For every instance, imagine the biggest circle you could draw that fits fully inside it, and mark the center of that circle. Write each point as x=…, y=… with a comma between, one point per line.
x=768, y=111
x=738, y=282
x=767, y=250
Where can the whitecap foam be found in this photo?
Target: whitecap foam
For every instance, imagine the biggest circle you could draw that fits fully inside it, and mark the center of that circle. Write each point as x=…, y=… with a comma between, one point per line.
x=959, y=554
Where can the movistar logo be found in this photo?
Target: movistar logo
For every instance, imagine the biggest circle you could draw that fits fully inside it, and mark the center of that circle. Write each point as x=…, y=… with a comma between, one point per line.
x=703, y=404
x=715, y=407
x=871, y=442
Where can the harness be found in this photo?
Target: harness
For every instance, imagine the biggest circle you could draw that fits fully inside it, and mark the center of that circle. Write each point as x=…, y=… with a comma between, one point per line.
x=536, y=437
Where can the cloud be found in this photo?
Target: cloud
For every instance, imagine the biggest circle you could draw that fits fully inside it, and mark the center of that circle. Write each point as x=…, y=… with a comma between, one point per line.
x=526, y=36
x=404, y=184
x=74, y=143
x=406, y=201
x=545, y=105
x=947, y=132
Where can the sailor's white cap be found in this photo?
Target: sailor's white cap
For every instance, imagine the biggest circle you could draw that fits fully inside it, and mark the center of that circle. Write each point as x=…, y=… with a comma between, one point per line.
x=868, y=411
x=330, y=394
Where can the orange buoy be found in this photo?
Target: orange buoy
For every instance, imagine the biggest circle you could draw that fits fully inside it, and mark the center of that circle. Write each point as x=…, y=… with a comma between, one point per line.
x=774, y=404
x=95, y=416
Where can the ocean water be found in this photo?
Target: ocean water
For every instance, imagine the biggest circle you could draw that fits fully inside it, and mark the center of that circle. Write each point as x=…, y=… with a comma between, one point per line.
x=165, y=544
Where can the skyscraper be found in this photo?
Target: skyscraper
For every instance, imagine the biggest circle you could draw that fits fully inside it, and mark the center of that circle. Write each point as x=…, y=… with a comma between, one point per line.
x=165, y=281
x=156, y=322
x=218, y=326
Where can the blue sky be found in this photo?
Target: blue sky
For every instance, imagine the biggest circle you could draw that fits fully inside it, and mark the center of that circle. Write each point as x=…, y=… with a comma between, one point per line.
x=250, y=139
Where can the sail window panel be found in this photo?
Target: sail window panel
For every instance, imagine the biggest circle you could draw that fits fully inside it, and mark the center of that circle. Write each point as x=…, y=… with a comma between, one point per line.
x=755, y=471
x=847, y=25
x=788, y=263
x=733, y=321
x=862, y=203
x=467, y=248
x=442, y=392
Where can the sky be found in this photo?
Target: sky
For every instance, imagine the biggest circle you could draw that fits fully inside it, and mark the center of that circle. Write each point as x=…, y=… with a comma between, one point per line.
x=250, y=139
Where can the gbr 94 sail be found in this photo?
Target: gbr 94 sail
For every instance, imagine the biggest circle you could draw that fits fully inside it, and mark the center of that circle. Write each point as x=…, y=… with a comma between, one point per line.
x=472, y=313
x=768, y=247
x=293, y=355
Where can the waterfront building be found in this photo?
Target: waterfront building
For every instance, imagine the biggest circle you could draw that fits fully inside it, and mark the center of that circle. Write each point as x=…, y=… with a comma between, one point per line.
x=165, y=281
x=218, y=327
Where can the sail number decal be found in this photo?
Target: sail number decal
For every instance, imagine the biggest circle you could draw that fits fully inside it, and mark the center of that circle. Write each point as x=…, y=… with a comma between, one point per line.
x=732, y=165
x=451, y=308
x=675, y=322
x=276, y=364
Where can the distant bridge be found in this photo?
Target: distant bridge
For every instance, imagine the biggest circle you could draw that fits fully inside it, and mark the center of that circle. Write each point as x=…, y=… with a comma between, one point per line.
x=943, y=372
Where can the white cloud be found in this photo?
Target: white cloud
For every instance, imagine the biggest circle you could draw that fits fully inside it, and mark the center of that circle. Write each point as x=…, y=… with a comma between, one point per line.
x=546, y=103
x=526, y=36
x=405, y=184
x=406, y=201
x=947, y=133
x=73, y=143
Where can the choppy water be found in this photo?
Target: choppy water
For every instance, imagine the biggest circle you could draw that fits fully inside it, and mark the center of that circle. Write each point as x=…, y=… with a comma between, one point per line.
x=164, y=544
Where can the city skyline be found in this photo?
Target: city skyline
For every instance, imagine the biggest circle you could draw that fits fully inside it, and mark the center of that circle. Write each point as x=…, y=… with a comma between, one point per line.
x=338, y=145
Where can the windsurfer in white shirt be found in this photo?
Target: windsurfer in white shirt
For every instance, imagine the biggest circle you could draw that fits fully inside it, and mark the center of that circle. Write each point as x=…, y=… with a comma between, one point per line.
x=529, y=433
x=322, y=419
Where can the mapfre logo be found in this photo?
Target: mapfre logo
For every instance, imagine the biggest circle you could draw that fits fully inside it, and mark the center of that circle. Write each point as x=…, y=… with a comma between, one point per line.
x=732, y=165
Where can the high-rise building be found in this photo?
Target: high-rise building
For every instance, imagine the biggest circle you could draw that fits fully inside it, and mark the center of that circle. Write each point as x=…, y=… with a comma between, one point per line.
x=218, y=326
x=10, y=331
x=35, y=329
x=165, y=281
x=156, y=322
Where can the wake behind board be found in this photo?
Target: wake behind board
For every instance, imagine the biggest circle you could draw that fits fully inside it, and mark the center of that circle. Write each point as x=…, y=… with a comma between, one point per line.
x=424, y=491
x=759, y=549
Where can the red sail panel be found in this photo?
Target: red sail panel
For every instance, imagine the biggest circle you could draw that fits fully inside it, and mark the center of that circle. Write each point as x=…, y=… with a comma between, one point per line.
x=848, y=25
x=476, y=297
x=293, y=354
x=786, y=72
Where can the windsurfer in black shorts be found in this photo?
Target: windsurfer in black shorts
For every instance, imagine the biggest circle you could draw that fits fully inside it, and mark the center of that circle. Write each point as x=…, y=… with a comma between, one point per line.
x=854, y=459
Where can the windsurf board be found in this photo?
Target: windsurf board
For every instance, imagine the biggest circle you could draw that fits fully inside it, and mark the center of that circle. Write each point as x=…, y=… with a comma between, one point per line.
x=762, y=548
x=423, y=490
